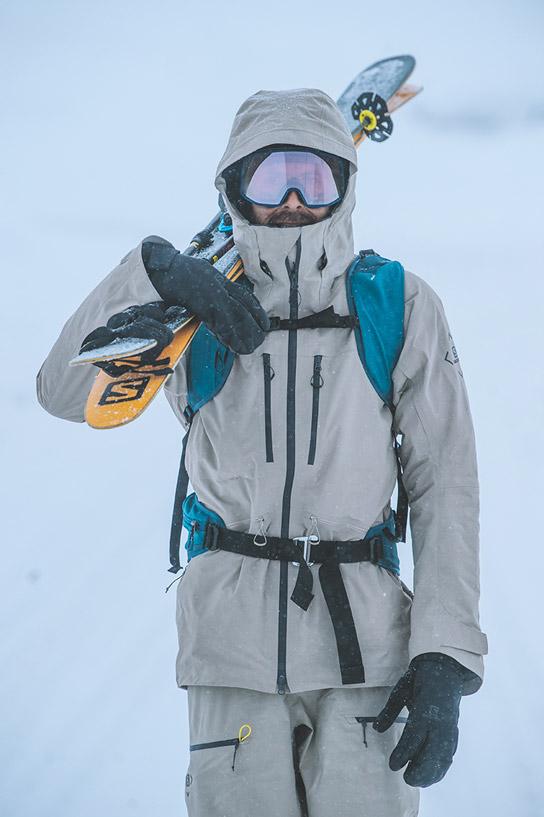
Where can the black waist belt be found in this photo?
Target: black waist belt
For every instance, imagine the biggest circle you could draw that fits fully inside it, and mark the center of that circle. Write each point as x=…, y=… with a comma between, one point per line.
x=302, y=551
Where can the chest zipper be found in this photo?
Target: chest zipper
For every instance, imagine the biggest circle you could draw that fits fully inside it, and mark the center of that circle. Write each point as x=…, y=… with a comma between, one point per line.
x=316, y=383
x=268, y=377
x=290, y=451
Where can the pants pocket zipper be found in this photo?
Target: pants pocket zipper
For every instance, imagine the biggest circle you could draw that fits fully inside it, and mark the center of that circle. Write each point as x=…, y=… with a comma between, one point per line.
x=243, y=735
x=364, y=721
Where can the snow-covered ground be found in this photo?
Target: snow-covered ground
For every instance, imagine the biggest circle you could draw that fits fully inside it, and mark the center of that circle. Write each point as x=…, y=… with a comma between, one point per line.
x=115, y=115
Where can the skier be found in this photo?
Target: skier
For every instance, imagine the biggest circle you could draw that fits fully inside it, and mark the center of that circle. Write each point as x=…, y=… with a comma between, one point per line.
x=298, y=665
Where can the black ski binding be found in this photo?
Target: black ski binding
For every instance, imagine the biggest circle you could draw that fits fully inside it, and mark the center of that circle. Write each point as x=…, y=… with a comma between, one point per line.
x=371, y=111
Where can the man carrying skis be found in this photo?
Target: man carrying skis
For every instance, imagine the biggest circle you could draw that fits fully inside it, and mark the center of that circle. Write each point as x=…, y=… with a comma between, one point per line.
x=299, y=644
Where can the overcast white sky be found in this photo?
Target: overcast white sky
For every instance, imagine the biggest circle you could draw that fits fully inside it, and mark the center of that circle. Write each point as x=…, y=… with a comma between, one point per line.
x=114, y=116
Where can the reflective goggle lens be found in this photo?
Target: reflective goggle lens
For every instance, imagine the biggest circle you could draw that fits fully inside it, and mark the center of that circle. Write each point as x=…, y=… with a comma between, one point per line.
x=268, y=181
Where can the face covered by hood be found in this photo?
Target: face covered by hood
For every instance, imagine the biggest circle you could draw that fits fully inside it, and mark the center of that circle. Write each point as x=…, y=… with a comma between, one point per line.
x=309, y=118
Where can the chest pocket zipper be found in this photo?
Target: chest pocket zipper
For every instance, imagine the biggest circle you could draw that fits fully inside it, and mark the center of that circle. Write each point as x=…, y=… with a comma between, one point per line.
x=316, y=383
x=268, y=377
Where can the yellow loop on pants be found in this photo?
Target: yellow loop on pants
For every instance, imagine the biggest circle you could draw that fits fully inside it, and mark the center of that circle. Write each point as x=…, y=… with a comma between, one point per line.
x=244, y=732
x=371, y=124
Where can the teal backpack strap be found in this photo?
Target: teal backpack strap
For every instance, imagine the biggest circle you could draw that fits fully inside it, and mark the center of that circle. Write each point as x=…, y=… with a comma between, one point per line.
x=375, y=292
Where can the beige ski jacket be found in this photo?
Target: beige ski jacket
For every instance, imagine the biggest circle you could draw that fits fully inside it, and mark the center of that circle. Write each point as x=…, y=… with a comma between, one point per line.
x=230, y=606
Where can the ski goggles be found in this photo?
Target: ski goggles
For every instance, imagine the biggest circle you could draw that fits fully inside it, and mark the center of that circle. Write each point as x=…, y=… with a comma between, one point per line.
x=268, y=176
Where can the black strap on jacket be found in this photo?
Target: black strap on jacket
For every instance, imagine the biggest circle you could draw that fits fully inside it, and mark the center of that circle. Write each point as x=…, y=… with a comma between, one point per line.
x=326, y=319
x=330, y=555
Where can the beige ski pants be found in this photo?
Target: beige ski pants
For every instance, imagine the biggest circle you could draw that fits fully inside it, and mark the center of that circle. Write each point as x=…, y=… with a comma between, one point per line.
x=309, y=754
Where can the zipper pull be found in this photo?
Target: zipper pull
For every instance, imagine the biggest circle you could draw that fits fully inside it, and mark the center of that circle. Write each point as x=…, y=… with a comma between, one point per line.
x=243, y=734
x=268, y=370
x=316, y=381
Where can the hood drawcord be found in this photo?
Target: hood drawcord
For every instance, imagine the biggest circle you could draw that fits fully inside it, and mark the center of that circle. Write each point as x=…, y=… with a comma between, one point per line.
x=176, y=580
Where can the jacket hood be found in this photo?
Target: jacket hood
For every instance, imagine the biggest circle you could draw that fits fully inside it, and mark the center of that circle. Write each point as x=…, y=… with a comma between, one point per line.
x=305, y=117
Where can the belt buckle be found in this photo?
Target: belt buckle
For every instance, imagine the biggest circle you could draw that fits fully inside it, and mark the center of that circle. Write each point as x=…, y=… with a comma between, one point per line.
x=211, y=537
x=306, y=542
x=376, y=549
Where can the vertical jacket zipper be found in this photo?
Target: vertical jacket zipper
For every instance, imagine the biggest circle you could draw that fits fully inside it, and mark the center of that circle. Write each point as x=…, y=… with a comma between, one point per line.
x=268, y=375
x=316, y=383
x=290, y=466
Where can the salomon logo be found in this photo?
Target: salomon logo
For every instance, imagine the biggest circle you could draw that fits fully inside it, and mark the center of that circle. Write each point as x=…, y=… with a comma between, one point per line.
x=124, y=391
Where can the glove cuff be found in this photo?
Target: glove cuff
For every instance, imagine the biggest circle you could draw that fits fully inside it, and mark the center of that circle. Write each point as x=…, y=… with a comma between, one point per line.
x=157, y=254
x=465, y=675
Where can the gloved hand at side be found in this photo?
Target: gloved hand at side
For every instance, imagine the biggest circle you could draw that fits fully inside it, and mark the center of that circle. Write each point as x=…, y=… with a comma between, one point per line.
x=228, y=309
x=431, y=689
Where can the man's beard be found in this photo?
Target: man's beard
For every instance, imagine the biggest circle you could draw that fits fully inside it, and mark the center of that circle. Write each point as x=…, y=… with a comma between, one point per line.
x=288, y=218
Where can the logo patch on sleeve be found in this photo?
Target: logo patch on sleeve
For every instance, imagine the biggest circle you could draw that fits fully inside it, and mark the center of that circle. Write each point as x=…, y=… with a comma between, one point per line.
x=451, y=355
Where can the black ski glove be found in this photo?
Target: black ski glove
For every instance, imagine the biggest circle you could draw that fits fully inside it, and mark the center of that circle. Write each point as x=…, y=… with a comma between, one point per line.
x=228, y=309
x=431, y=689
x=146, y=321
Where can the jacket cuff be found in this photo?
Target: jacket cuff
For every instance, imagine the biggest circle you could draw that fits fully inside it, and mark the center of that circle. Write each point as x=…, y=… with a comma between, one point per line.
x=465, y=644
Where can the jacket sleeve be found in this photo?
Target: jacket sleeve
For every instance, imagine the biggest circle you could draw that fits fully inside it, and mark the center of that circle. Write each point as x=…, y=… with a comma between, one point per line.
x=62, y=389
x=438, y=455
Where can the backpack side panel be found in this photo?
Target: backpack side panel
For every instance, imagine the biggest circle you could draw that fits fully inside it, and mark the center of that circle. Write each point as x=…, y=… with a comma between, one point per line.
x=209, y=363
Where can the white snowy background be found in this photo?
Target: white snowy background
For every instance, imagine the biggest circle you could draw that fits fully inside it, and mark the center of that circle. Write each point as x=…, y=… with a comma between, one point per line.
x=114, y=115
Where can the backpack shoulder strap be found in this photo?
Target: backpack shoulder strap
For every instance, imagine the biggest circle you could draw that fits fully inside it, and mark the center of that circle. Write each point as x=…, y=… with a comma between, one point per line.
x=375, y=291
